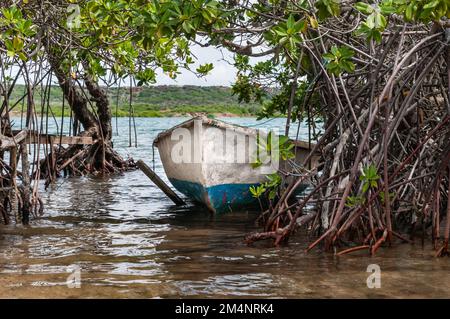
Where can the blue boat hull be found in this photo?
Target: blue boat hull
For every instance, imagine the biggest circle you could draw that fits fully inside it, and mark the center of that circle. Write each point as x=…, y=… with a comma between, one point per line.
x=221, y=198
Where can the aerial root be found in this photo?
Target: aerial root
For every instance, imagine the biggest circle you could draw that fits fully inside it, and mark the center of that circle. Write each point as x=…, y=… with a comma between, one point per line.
x=384, y=153
x=79, y=160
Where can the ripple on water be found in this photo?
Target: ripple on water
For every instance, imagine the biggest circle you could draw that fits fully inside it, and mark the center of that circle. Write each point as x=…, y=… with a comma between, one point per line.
x=253, y=285
x=131, y=241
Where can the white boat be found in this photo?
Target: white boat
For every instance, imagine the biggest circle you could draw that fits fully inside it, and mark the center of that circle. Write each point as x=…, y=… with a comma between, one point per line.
x=210, y=161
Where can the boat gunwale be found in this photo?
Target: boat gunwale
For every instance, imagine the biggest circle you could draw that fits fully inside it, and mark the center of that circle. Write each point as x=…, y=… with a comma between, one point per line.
x=224, y=125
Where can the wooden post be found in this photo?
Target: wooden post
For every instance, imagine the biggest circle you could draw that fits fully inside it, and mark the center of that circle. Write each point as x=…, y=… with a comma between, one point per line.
x=52, y=159
x=13, y=163
x=13, y=192
x=26, y=209
x=160, y=183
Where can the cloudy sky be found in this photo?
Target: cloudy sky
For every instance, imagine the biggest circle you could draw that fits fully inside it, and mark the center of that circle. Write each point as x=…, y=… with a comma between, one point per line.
x=223, y=73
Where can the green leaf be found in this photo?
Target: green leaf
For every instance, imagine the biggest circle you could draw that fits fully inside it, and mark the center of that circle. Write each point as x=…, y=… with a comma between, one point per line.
x=335, y=50
x=313, y=22
x=364, y=7
x=17, y=44
x=385, y=9
x=376, y=35
x=205, y=69
x=257, y=191
x=409, y=12
x=300, y=26
x=327, y=8
x=346, y=52
x=23, y=57
x=380, y=21
x=365, y=187
x=431, y=4
x=370, y=22
x=339, y=60
x=348, y=66
x=290, y=22
x=328, y=56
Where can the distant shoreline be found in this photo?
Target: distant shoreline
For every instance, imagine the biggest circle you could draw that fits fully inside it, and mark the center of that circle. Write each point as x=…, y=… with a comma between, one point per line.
x=158, y=115
x=155, y=101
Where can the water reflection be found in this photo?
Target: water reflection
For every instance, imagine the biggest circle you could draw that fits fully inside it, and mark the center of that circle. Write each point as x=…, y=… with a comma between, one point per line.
x=130, y=241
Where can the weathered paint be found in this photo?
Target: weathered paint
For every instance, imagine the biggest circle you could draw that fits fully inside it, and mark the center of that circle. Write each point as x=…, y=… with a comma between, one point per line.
x=223, y=198
x=219, y=198
x=215, y=179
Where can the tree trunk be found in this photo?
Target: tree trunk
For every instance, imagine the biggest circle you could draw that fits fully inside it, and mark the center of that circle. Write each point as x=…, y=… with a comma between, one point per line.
x=78, y=103
x=100, y=97
x=99, y=157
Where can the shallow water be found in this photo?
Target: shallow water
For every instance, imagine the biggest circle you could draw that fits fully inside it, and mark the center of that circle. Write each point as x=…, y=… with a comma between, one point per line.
x=128, y=240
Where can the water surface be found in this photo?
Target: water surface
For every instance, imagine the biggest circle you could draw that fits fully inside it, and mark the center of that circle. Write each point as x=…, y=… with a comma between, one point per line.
x=129, y=241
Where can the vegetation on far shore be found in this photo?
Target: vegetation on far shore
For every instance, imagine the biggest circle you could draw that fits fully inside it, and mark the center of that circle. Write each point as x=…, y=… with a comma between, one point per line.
x=155, y=101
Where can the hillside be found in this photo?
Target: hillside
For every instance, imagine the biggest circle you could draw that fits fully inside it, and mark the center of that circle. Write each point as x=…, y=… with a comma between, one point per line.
x=155, y=101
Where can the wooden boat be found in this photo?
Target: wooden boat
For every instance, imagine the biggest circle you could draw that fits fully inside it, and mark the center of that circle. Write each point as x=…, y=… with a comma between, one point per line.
x=215, y=168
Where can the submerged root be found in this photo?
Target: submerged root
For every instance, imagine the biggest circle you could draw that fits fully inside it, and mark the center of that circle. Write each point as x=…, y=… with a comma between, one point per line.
x=18, y=203
x=384, y=153
x=443, y=250
x=79, y=160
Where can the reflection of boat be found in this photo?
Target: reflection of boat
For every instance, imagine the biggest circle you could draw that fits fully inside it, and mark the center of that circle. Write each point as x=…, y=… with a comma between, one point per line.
x=210, y=162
